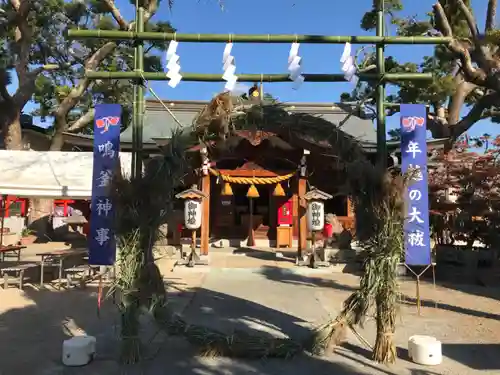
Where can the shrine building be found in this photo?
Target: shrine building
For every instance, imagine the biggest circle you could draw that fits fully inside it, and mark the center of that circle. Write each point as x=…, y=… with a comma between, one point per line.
x=254, y=179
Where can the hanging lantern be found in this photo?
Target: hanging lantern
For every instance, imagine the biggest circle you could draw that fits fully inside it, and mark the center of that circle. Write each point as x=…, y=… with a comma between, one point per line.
x=316, y=209
x=193, y=207
x=252, y=192
x=227, y=189
x=315, y=215
x=192, y=213
x=278, y=191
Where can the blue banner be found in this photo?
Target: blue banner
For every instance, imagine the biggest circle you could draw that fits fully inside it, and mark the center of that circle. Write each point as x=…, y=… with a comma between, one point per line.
x=102, y=243
x=414, y=161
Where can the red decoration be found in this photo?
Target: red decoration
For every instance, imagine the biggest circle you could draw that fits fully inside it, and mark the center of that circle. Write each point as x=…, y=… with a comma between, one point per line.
x=285, y=215
x=12, y=200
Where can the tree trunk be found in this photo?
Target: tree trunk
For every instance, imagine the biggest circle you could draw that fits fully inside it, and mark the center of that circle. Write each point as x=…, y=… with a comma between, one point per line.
x=60, y=126
x=39, y=216
x=46, y=205
x=57, y=142
x=10, y=120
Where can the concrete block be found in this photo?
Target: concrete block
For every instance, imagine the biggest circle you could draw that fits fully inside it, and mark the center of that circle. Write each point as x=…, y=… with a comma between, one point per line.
x=220, y=244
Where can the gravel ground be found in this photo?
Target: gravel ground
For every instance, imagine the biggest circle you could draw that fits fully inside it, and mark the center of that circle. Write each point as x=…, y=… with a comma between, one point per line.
x=34, y=323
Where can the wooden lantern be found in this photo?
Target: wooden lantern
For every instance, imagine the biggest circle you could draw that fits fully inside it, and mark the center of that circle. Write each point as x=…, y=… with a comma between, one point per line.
x=316, y=209
x=193, y=208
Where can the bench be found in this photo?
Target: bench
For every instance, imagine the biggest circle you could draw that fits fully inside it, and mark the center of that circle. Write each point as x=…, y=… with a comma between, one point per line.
x=18, y=273
x=11, y=251
x=84, y=271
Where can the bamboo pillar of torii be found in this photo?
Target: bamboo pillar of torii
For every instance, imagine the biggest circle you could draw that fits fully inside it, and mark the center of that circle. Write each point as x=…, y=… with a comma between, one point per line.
x=139, y=36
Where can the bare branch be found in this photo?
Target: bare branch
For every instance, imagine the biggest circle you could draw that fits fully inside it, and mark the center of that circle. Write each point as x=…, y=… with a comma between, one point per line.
x=471, y=73
x=45, y=68
x=491, y=15
x=471, y=22
x=442, y=20
x=4, y=94
x=438, y=126
x=490, y=113
x=124, y=25
x=16, y=4
x=83, y=121
x=457, y=100
x=60, y=116
x=151, y=10
x=22, y=37
x=474, y=115
x=100, y=55
x=25, y=89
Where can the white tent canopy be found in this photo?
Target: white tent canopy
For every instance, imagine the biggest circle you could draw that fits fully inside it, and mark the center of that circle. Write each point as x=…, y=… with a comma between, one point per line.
x=50, y=174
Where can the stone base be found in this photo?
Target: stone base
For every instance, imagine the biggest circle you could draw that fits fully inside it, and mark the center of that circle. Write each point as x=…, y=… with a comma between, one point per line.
x=334, y=255
x=192, y=260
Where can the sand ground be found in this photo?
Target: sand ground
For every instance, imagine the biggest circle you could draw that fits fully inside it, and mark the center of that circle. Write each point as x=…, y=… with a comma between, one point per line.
x=257, y=293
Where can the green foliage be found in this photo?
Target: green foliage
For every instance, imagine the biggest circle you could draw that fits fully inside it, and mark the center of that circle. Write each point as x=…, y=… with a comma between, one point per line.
x=50, y=46
x=442, y=63
x=369, y=20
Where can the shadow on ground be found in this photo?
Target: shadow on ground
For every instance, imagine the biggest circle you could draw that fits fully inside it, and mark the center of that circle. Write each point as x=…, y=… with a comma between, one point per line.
x=288, y=256
x=483, y=357
x=33, y=328
x=31, y=338
x=481, y=281
x=290, y=276
x=444, y=306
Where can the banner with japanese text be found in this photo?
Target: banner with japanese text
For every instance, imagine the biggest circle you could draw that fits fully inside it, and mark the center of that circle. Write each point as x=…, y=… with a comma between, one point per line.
x=414, y=161
x=102, y=243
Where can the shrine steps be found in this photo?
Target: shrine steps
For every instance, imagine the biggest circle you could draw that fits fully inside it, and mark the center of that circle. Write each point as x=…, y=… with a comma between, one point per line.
x=235, y=242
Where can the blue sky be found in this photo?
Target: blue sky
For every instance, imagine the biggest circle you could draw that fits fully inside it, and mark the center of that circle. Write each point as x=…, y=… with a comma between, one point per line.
x=329, y=17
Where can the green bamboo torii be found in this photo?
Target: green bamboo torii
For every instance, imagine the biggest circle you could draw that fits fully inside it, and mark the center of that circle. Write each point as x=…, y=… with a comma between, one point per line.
x=139, y=36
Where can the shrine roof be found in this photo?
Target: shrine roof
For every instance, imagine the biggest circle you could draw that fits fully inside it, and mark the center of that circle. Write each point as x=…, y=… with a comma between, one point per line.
x=159, y=124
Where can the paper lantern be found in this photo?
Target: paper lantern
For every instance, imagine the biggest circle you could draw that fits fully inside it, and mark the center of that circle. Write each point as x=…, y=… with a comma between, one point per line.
x=315, y=199
x=192, y=213
x=252, y=192
x=315, y=215
x=278, y=191
x=227, y=189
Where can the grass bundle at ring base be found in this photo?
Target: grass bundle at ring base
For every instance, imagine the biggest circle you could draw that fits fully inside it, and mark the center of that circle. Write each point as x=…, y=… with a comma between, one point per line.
x=214, y=343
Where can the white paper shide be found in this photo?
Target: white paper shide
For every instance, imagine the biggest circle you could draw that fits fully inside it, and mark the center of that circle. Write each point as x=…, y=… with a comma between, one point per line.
x=348, y=64
x=173, y=64
x=229, y=68
x=295, y=66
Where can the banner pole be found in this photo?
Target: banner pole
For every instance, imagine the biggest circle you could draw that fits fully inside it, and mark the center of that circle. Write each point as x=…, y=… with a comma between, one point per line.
x=418, y=295
x=417, y=292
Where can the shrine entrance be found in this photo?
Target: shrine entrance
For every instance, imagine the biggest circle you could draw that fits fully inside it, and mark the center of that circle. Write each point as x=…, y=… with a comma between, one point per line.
x=250, y=205
x=254, y=180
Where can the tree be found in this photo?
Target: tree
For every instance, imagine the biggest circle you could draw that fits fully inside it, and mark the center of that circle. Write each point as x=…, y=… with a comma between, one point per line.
x=34, y=35
x=465, y=189
x=466, y=70
x=394, y=134
x=50, y=68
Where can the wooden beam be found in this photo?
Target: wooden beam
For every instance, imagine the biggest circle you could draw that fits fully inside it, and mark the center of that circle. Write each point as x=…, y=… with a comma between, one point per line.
x=205, y=220
x=302, y=216
x=295, y=212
